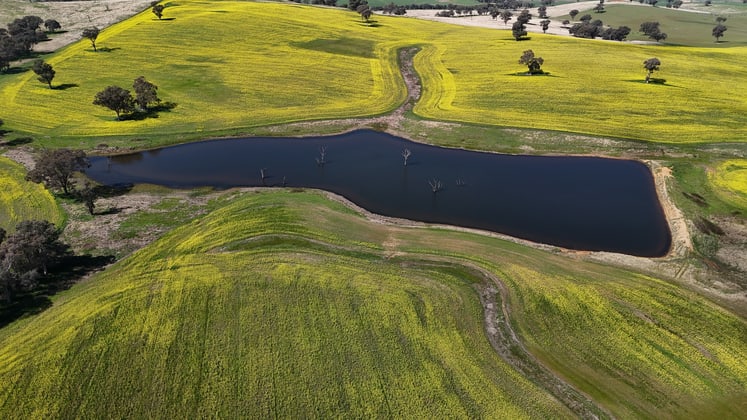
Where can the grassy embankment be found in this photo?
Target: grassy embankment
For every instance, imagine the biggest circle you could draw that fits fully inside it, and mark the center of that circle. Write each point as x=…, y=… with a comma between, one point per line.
x=306, y=63
x=23, y=200
x=282, y=303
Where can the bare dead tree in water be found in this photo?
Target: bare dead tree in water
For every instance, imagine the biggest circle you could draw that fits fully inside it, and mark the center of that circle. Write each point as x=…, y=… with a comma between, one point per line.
x=322, y=159
x=406, y=154
x=436, y=185
x=263, y=175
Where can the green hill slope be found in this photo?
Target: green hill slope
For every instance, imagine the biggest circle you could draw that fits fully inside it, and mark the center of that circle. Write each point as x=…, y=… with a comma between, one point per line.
x=287, y=304
x=23, y=200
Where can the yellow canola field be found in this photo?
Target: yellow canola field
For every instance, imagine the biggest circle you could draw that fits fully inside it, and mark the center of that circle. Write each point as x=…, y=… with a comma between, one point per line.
x=230, y=66
x=23, y=200
x=730, y=181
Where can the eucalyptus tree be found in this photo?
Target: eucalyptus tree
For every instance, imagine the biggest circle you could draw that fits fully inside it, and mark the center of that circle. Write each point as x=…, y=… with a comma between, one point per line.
x=651, y=65
x=44, y=71
x=91, y=34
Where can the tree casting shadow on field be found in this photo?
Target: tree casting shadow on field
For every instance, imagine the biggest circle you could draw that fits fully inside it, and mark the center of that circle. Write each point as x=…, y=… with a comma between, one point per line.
x=150, y=112
x=71, y=269
x=65, y=86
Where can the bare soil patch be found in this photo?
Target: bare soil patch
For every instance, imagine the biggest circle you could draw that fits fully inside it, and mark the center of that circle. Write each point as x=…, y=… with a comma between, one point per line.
x=74, y=16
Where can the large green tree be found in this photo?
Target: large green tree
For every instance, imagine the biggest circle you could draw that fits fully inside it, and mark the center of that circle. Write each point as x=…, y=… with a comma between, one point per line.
x=651, y=65
x=44, y=71
x=117, y=99
x=158, y=11
x=27, y=254
x=651, y=30
x=145, y=93
x=55, y=168
x=718, y=31
x=533, y=62
x=91, y=34
x=52, y=25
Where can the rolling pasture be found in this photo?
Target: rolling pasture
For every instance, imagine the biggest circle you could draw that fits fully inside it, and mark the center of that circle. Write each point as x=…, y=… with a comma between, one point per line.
x=682, y=27
x=231, y=66
x=23, y=200
x=286, y=303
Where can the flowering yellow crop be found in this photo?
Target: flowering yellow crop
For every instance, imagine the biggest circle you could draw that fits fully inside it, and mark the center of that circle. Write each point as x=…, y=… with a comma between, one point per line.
x=23, y=200
x=230, y=66
x=730, y=181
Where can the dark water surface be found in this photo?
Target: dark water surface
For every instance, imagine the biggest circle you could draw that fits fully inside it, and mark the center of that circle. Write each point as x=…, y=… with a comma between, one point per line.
x=580, y=203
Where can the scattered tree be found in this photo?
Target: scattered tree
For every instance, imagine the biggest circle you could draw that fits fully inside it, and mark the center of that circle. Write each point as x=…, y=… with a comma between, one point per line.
x=542, y=12
x=651, y=65
x=117, y=99
x=27, y=254
x=20, y=37
x=599, y=8
x=365, y=11
x=506, y=15
x=145, y=93
x=718, y=31
x=91, y=33
x=651, y=29
x=353, y=4
x=532, y=62
x=87, y=194
x=585, y=18
x=519, y=27
x=720, y=19
x=158, y=11
x=52, y=25
x=44, y=71
x=573, y=13
x=616, y=34
x=545, y=24
x=55, y=168
x=518, y=30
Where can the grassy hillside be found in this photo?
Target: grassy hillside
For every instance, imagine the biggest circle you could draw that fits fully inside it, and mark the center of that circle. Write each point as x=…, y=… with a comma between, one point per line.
x=247, y=311
x=682, y=27
x=23, y=200
x=730, y=182
x=282, y=304
x=230, y=66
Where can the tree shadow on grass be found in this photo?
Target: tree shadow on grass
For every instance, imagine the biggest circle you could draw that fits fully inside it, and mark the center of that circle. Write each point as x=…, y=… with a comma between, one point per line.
x=166, y=19
x=71, y=269
x=527, y=74
x=16, y=142
x=111, y=191
x=15, y=70
x=108, y=49
x=653, y=81
x=65, y=86
x=151, y=112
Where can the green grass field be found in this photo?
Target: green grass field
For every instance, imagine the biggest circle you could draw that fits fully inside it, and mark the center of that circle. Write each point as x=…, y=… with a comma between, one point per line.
x=682, y=27
x=730, y=182
x=23, y=200
x=282, y=303
x=308, y=63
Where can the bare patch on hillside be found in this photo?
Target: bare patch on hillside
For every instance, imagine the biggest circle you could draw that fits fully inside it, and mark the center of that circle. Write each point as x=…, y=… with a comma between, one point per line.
x=74, y=16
